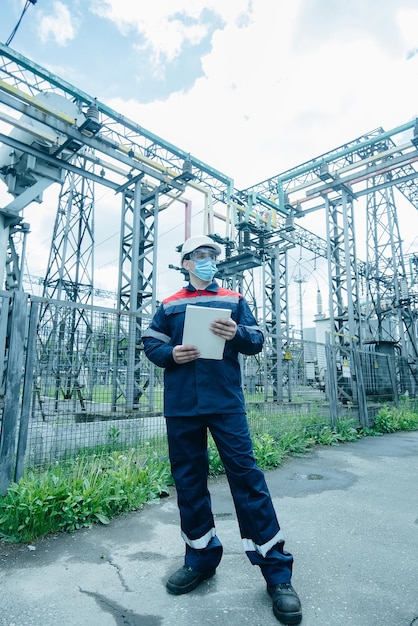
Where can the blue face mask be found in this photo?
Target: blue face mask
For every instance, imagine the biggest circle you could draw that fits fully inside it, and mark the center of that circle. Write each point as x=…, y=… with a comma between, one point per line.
x=205, y=269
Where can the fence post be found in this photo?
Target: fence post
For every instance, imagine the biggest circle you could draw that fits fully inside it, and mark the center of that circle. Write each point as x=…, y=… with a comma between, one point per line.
x=12, y=389
x=332, y=381
x=392, y=376
x=5, y=302
x=27, y=390
x=361, y=391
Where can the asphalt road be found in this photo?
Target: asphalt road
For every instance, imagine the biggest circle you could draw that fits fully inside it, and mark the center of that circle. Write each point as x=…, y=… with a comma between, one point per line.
x=350, y=517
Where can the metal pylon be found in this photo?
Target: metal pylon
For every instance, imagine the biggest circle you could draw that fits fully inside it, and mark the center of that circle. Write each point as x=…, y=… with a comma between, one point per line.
x=65, y=333
x=342, y=268
x=134, y=376
x=391, y=316
x=343, y=279
x=276, y=322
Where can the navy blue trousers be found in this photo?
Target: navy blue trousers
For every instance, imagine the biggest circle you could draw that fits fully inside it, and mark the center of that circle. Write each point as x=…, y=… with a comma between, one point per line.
x=260, y=530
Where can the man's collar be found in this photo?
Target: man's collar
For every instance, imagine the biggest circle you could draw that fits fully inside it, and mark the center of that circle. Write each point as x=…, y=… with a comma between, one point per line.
x=212, y=287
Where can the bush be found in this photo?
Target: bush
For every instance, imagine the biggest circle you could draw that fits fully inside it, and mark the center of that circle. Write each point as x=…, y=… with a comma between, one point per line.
x=266, y=451
x=386, y=421
x=71, y=496
x=391, y=419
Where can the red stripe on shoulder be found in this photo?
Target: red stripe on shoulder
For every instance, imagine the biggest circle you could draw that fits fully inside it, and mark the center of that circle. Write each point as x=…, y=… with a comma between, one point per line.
x=179, y=295
x=228, y=292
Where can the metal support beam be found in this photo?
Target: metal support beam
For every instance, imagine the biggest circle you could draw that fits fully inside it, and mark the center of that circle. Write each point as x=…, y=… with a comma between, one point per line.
x=136, y=293
x=391, y=316
x=65, y=334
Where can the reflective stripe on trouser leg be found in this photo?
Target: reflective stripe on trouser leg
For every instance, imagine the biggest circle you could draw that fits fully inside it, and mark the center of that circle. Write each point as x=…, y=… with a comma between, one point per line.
x=205, y=560
x=187, y=439
x=201, y=542
x=276, y=565
x=260, y=530
x=250, y=546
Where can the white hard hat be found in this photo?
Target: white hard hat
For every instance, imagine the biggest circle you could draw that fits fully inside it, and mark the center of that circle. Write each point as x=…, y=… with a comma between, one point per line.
x=198, y=241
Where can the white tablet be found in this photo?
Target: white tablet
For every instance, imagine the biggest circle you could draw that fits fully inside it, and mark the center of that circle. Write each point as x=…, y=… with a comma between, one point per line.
x=197, y=333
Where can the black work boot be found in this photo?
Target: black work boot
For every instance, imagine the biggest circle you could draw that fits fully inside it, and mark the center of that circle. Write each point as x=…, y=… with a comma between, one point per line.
x=286, y=603
x=186, y=579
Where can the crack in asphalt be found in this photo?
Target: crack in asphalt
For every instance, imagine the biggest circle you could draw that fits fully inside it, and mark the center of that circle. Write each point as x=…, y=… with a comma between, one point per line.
x=123, y=616
x=120, y=576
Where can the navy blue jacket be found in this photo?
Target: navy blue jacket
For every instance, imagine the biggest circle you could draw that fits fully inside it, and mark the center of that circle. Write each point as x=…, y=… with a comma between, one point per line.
x=203, y=386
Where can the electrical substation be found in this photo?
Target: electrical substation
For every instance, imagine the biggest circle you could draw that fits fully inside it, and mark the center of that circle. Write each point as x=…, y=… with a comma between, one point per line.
x=53, y=133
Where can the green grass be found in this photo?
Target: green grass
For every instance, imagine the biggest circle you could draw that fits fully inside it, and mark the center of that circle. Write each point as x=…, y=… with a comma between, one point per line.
x=103, y=394
x=390, y=419
x=95, y=486
x=79, y=493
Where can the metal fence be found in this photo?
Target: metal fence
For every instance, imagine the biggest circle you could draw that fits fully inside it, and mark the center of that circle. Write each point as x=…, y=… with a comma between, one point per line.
x=75, y=380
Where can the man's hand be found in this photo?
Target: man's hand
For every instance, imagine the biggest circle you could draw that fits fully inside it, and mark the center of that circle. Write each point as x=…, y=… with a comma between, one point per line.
x=185, y=354
x=225, y=328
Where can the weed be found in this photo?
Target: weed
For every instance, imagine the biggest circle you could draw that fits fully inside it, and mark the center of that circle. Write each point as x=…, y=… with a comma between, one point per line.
x=390, y=419
x=327, y=437
x=266, y=451
x=215, y=464
x=386, y=421
x=295, y=442
x=92, y=490
x=113, y=435
x=346, y=430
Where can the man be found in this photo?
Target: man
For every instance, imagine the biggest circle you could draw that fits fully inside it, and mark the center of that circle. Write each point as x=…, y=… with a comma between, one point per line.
x=206, y=394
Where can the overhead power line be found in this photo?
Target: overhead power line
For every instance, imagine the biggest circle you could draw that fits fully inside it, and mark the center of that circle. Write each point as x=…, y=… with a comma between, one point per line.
x=14, y=31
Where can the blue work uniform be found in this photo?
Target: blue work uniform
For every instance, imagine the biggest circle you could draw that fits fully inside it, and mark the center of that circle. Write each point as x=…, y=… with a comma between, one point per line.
x=206, y=394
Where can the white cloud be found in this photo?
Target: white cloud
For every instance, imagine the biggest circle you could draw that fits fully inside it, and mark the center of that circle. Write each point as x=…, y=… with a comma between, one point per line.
x=58, y=25
x=264, y=105
x=165, y=28
x=408, y=26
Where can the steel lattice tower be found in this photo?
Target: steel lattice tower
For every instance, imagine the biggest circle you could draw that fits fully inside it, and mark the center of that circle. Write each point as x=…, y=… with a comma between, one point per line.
x=386, y=278
x=276, y=321
x=342, y=269
x=334, y=182
x=66, y=332
x=136, y=293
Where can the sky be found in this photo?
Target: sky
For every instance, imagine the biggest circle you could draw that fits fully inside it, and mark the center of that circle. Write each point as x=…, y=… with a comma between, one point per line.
x=251, y=87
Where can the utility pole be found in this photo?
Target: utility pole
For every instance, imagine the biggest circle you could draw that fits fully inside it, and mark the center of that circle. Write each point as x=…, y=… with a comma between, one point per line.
x=300, y=280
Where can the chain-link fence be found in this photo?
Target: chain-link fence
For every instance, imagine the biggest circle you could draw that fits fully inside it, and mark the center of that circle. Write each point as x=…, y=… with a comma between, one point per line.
x=76, y=380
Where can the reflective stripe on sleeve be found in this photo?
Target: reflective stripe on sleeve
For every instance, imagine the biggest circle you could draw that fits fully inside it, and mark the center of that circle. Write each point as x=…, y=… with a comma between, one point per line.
x=156, y=335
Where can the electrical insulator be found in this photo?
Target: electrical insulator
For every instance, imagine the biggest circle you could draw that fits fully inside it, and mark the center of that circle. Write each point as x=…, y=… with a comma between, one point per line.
x=404, y=289
x=187, y=167
x=319, y=302
x=92, y=112
x=247, y=240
